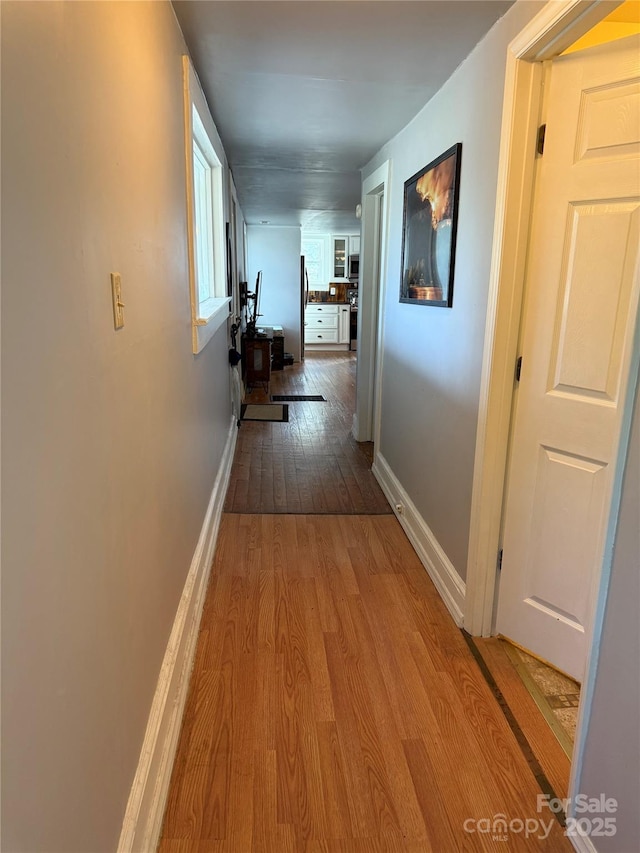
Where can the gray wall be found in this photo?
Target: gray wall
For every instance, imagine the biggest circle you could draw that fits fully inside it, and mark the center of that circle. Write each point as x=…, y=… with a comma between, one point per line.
x=433, y=356
x=111, y=440
x=276, y=251
x=612, y=749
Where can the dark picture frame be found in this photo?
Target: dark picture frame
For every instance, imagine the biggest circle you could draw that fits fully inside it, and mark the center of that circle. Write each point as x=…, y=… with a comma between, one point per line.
x=429, y=229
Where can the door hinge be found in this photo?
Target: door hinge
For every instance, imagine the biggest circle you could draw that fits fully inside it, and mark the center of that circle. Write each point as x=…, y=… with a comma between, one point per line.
x=540, y=141
x=500, y=560
x=518, y=368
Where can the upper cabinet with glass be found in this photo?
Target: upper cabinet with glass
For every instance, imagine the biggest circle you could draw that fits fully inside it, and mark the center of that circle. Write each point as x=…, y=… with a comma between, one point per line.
x=340, y=257
x=327, y=257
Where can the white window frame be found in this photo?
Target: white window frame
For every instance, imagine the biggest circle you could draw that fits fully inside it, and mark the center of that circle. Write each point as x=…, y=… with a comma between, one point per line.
x=316, y=267
x=205, y=208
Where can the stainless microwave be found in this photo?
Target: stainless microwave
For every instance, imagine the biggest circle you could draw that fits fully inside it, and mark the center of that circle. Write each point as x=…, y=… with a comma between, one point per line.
x=354, y=266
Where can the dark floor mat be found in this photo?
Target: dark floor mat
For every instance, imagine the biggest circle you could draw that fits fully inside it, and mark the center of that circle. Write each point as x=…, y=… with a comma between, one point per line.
x=298, y=398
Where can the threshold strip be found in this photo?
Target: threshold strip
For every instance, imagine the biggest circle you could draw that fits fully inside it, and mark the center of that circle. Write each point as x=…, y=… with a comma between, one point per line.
x=525, y=747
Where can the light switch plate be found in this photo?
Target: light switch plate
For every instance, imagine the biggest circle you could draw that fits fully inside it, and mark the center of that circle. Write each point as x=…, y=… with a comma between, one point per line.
x=118, y=304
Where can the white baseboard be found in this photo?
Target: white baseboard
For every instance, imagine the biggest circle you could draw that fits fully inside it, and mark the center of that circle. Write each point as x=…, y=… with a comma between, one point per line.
x=309, y=348
x=583, y=844
x=147, y=800
x=354, y=426
x=440, y=569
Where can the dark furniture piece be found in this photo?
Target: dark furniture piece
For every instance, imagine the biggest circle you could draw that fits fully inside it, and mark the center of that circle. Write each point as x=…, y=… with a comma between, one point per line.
x=277, y=349
x=256, y=360
x=261, y=354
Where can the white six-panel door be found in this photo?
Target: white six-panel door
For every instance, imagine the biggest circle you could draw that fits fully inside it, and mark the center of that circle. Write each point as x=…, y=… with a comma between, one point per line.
x=581, y=305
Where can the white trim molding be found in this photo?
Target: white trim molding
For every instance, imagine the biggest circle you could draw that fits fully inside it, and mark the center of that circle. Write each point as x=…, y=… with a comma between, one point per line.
x=208, y=315
x=582, y=844
x=147, y=800
x=556, y=26
x=204, y=328
x=440, y=569
x=373, y=276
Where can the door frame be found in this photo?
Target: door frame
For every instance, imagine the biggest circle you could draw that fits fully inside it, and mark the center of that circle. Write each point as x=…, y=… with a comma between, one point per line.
x=546, y=36
x=371, y=296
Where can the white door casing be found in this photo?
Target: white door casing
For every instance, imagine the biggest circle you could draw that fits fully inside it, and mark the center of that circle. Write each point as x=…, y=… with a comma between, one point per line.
x=372, y=287
x=580, y=314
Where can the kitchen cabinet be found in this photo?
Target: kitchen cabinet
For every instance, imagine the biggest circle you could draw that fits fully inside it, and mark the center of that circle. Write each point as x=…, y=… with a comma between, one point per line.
x=342, y=247
x=327, y=326
x=327, y=257
x=344, y=318
x=340, y=257
x=321, y=324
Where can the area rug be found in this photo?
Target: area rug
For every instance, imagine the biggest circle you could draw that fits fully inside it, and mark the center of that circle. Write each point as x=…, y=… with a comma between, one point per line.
x=264, y=412
x=298, y=398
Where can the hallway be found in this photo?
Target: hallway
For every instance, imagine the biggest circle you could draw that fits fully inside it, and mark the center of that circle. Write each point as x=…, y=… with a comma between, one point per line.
x=334, y=704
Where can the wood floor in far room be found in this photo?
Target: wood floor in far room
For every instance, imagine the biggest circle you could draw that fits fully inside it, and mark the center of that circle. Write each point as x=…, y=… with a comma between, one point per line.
x=312, y=463
x=335, y=706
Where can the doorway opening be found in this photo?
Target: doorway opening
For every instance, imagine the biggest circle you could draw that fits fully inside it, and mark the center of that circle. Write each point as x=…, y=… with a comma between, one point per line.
x=375, y=225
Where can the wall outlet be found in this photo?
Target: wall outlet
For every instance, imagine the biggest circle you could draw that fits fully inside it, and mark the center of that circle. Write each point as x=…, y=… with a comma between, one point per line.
x=400, y=509
x=332, y=291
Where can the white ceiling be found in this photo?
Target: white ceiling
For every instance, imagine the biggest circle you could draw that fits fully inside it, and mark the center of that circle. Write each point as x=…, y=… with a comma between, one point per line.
x=304, y=93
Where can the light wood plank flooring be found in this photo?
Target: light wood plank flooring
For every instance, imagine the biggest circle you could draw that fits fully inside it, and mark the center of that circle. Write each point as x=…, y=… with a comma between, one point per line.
x=548, y=753
x=334, y=705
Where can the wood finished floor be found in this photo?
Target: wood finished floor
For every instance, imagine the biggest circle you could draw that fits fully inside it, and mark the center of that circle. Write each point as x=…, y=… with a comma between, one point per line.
x=311, y=464
x=544, y=745
x=334, y=705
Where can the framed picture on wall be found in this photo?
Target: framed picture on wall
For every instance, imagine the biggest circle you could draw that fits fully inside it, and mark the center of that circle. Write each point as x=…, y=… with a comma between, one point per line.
x=429, y=231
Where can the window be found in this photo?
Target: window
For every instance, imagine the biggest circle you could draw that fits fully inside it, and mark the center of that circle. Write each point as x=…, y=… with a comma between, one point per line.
x=206, y=192
x=205, y=217
x=313, y=249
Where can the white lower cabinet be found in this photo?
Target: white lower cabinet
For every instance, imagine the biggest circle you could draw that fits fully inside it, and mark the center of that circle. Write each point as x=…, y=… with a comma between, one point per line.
x=326, y=325
x=344, y=317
